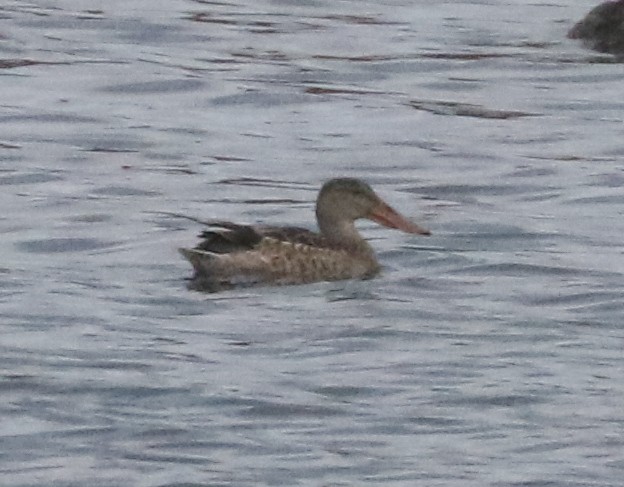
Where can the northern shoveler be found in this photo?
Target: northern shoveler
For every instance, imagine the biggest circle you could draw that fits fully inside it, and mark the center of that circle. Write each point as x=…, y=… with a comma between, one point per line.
x=602, y=29
x=232, y=254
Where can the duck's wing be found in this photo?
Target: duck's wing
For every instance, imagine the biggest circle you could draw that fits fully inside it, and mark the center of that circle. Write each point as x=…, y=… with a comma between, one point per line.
x=294, y=235
x=224, y=237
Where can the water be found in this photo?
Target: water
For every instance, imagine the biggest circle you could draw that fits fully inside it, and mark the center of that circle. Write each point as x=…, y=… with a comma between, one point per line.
x=487, y=354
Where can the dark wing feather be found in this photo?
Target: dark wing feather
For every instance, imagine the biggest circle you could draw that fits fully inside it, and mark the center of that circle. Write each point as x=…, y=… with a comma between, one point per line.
x=227, y=237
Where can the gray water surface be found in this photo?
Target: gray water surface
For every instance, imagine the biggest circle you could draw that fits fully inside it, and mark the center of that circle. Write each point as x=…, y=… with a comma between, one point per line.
x=489, y=354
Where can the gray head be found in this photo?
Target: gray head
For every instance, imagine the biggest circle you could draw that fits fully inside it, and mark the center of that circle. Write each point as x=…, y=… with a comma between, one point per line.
x=346, y=199
x=343, y=200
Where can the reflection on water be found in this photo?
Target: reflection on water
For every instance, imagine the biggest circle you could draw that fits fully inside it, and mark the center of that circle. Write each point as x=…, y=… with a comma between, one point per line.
x=494, y=346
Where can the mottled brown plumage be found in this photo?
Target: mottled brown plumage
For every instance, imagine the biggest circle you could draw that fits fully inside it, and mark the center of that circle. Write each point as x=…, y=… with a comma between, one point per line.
x=232, y=254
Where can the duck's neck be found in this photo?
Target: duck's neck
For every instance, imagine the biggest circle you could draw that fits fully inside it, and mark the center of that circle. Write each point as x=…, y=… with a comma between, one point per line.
x=343, y=233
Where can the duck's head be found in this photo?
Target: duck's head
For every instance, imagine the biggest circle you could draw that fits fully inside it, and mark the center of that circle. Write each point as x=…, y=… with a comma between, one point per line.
x=344, y=200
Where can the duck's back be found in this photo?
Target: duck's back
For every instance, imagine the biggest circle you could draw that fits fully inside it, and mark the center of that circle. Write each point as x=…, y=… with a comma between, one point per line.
x=227, y=237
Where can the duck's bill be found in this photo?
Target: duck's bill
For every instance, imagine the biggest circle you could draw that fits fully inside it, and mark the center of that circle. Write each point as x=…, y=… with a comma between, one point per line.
x=389, y=217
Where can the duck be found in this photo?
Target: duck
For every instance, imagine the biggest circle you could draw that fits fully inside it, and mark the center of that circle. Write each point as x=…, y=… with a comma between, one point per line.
x=232, y=254
x=602, y=29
